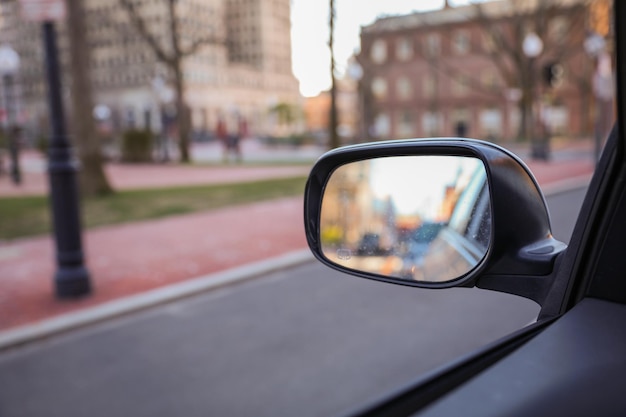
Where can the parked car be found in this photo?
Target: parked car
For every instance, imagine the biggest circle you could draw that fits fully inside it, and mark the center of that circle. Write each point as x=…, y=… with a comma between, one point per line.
x=572, y=360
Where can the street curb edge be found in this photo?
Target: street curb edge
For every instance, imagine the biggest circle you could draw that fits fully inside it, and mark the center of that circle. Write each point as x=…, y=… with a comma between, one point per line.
x=31, y=332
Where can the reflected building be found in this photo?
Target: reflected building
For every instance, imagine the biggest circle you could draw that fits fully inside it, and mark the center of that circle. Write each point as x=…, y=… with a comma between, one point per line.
x=351, y=210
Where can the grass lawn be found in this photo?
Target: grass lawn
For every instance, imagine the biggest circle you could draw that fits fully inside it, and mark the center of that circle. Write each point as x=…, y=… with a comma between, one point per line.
x=27, y=216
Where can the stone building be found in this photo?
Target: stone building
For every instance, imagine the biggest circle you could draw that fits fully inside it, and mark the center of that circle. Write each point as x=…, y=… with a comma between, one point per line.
x=443, y=72
x=245, y=73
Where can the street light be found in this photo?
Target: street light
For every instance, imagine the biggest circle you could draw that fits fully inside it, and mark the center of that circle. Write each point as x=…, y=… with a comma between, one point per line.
x=165, y=96
x=532, y=47
x=71, y=278
x=9, y=65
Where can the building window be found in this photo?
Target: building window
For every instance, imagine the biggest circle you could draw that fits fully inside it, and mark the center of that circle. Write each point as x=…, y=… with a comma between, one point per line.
x=378, y=53
x=461, y=42
x=405, y=126
x=557, y=29
x=433, y=45
x=489, y=80
x=490, y=121
x=460, y=86
x=489, y=44
x=432, y=123
x=557, y=119
x=379, y=88
x=429, y=86
x=404, y=88
x=404, y=49
x=381, y=125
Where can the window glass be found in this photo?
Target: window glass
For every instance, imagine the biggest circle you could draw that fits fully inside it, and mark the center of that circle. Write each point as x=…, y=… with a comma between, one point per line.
x=405, y=127
x=379, y=51
x=382, y=125
x=433, y=45
x=404, y=49
x=379, y=88
x=461, y=42
x=403, y=88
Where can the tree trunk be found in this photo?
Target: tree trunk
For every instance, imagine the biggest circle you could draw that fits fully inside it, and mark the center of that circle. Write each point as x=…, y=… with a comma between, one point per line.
x=92, y=178
x=182, y=119
x=527, y=121
x=176, y=65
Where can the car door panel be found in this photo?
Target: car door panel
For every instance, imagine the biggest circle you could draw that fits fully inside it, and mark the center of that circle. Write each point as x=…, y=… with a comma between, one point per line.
x=576, y=367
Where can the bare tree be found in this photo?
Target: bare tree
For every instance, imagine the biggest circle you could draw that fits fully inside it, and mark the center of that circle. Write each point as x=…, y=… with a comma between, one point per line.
x=171, y=50
x=93, y=180
x=506, y=34
x=504, y=26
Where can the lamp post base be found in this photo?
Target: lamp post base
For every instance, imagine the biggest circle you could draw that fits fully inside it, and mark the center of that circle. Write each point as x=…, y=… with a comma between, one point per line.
x=72, y=282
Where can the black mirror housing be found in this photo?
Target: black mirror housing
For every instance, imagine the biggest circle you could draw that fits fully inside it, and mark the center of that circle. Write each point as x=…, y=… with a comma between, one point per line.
x=522, y=252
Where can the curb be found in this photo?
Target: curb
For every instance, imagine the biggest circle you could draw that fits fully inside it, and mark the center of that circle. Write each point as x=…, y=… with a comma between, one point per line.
x=121, y=306
x=32, y=332
x=565, y=185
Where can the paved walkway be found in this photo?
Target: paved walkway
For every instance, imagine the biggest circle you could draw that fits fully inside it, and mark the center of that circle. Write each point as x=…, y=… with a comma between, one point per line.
x=133, y=258
x=127, y=176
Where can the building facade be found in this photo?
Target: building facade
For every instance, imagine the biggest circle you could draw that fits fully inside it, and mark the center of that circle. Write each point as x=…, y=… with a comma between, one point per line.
x=243, y=72
x=462, y=71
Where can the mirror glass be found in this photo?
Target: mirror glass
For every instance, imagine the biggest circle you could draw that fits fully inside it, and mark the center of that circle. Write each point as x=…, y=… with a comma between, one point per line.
x=418, y=218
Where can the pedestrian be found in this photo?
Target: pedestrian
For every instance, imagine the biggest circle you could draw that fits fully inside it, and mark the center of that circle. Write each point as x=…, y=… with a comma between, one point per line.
x=461, y=129
x=222, y=135
x=242, y=133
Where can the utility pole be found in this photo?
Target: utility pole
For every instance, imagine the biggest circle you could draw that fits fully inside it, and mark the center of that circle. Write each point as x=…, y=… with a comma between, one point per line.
x=333, y=119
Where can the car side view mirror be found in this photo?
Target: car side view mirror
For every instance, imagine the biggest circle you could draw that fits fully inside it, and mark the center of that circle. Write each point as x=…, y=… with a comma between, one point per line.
x=420, y=217
x=432, y=213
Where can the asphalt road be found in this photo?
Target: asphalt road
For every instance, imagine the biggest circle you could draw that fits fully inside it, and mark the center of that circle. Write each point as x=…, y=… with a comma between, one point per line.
x=302, y=342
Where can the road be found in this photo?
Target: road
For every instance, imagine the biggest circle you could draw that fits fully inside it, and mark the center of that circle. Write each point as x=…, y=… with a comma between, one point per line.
x=302, y=342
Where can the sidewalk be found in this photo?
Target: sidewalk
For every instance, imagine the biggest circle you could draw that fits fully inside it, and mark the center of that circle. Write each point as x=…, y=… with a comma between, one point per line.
x=133, y=258
x=133, y=176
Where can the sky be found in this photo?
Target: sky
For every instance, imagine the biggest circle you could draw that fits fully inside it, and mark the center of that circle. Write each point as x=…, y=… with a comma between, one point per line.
x=309, y=34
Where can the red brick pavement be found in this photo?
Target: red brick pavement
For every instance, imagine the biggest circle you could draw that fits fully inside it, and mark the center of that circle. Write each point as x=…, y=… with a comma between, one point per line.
x=131, y=258
x=127, y=259
x=130, y=176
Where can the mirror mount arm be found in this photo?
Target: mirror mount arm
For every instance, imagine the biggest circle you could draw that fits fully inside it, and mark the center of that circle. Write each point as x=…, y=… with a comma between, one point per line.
x=533, y=287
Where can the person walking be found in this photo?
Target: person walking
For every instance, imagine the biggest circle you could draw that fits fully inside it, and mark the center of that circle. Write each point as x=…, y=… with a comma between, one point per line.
x=222, y=135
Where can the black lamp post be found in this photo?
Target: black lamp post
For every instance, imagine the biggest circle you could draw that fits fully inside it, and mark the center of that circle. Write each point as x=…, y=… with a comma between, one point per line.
x=71, y=278
x=9, y=65
x=165, y=96
x=532, y=47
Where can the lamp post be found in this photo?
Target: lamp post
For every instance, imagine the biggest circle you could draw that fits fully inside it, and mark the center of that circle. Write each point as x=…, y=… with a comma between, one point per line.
x=71, y=278
x=165, y=96
x=9, y=65
x=532, y=47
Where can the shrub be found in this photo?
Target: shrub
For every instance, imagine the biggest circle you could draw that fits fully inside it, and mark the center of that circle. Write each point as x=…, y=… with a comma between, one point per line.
x=137, y=146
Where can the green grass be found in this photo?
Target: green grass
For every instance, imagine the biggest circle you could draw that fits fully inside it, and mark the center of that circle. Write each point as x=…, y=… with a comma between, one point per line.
x=27, y=216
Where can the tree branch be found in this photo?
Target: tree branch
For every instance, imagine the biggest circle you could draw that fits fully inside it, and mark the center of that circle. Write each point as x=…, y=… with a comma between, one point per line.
x=196, y=44
x=140, y=25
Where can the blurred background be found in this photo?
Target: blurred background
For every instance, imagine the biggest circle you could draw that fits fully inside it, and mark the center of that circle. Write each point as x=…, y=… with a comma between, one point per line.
x=169, y=148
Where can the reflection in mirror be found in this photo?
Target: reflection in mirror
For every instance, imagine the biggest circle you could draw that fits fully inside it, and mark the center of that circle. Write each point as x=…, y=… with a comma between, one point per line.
x=420, y=218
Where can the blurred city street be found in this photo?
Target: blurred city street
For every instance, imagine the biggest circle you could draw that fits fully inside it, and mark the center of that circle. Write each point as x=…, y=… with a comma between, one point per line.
x=132, y=258
x=305, y=341
x=153, y=160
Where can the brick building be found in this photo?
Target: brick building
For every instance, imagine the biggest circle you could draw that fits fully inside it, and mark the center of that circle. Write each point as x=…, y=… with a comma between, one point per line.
x=245, y=74
x=437, y=73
